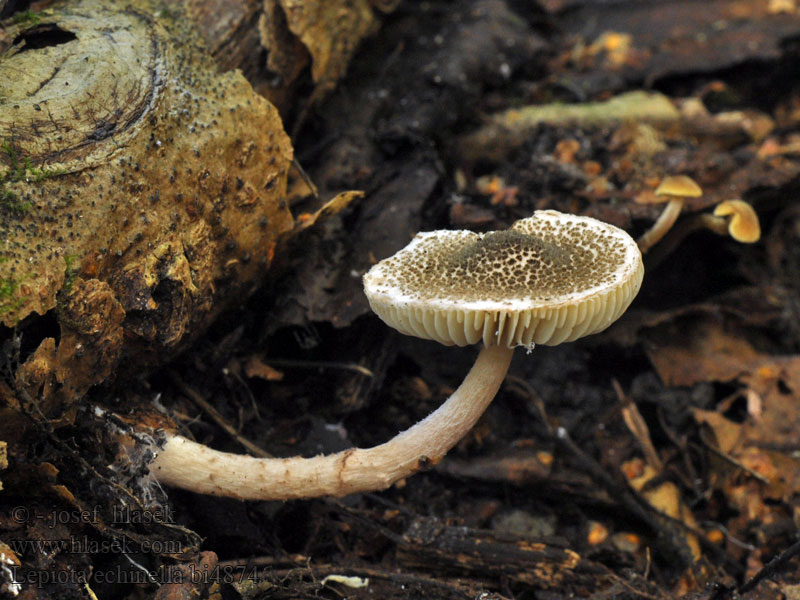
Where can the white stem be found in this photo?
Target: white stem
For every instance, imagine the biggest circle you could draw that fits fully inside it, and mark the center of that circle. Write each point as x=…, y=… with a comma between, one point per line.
x=189, y=465
x=662, y=225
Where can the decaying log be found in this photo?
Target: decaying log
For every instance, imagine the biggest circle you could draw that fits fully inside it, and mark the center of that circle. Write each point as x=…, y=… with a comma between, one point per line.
x=430, y=544
x=142, y=191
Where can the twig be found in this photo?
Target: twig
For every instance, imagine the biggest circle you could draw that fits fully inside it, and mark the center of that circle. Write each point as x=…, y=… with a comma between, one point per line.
x=454, y=586
x=319, y=364
x=623, y=494
x=661, y=524
x=728, y=535
x=772, y=567
x=728, y=458
x=215, y=415
x=366, y=523
x=658, y=523
x=304, y=176
x=638, y=427
x=689, y=477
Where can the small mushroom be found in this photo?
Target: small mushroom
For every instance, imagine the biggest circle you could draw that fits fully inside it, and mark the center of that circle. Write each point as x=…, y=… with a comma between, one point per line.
x=742, y=224
x=731, y=217
x=551, y=278
x=672, y=190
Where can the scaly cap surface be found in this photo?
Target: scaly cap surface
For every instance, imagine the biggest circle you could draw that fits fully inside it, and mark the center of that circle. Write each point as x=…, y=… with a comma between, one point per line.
x=550, y=278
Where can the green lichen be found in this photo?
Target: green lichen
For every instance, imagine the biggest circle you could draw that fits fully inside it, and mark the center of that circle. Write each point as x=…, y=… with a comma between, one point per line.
x=12, y=202
x=21, y=171
x=28, y=16
x=70, y=273
x=9, y=301
x=164, y=12
x=62, y=298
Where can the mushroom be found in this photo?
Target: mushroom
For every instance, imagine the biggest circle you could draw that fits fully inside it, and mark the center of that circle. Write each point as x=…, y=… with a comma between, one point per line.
x=731, y=217
x=743, y=225
x=672, y=190
x=551, y=278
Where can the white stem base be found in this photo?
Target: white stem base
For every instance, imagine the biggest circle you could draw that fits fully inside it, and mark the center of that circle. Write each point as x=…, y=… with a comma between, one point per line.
x=191, y=466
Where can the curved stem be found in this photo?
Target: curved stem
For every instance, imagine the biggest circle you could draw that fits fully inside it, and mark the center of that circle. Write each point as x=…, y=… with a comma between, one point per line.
x=678, y=233
x=189, y=465
x=663, y=224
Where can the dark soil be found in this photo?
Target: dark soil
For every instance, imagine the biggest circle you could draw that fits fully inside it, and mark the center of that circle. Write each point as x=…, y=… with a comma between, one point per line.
x=541, y=500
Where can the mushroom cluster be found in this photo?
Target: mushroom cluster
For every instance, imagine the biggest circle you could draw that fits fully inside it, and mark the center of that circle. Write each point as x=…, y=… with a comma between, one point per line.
x=731, y=217
x=550, y=278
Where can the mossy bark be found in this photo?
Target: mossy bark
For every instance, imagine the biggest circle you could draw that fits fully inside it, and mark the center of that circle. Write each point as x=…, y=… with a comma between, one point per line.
x=153, y=186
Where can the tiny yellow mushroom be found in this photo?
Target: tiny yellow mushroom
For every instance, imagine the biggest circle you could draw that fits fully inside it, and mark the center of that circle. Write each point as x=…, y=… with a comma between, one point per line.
x=737, y=218
x=673, y=190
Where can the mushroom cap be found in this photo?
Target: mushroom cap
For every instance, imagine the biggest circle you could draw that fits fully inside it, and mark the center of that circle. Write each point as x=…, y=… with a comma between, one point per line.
x=679, y=185
x=550, y=278
x=743, y=224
